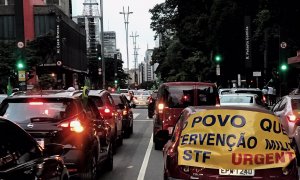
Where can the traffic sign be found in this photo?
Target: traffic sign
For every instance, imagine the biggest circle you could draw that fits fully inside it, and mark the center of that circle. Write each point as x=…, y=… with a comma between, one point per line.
x=256, y=73
x=59, y=63
x=21, y=76
x=20, y=44
x=283, y=45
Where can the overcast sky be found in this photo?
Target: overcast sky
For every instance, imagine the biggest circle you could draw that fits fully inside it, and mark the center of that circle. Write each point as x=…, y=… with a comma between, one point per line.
x=139, y=22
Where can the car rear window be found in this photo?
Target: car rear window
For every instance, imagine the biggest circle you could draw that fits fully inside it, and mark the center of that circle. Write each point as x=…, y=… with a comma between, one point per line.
x=183, y=96
x=38, y=110
x=117, y=100
x=296, y=104
x=236, y=99
x=145, y=93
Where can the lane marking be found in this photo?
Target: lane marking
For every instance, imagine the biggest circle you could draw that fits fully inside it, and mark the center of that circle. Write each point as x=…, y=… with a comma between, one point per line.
x=146, y=160
x=135, y=115
x=143, y=120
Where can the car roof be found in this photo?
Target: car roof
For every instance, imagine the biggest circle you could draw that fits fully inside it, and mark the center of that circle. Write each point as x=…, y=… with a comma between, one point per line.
x=239, y=94
x=96, y=92
x=46, y=94
x=246, y=108
x=188, y=83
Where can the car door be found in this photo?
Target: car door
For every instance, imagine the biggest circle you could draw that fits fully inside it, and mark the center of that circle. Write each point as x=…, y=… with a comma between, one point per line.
x=280, y=112
x=18, y=150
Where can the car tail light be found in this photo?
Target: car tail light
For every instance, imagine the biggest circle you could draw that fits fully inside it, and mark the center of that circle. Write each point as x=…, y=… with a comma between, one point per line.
x=74, y=125
x=292, y=118
x=106, y=110
x=161, y=107
x=264, y=99
x=124, y=112
x=36, y=103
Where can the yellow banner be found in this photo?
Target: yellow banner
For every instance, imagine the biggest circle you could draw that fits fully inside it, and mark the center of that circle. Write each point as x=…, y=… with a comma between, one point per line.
x=234, y=139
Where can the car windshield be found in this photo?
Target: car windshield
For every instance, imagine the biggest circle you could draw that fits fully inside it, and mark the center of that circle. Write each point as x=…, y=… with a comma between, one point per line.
x=296, y=104
x=38, y=111
x=183, y=96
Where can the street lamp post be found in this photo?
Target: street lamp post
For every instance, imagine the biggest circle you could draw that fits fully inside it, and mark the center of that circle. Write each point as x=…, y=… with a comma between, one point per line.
x=126, y=22
x=102, y=45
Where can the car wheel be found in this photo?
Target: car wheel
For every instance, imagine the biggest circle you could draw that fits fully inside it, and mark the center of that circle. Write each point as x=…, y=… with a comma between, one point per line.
x=131, y=129
x=158, y=145
x=120, y=140
x=295, y=147
x=114, y=146
x=89, y=171
x=109, y=163
x=150, y=115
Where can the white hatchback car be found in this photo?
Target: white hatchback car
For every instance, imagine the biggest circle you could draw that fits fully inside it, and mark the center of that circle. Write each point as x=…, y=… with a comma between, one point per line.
x=240, y=99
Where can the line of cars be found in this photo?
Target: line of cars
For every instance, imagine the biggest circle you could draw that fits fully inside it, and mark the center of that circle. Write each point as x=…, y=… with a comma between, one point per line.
x=83, y=129
x=204, y=138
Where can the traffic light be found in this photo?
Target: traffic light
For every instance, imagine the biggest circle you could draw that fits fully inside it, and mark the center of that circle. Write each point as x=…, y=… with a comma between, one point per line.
x=99, y=52
x=116, y=81
x=20, y=65
x=218, y=58
x=283, y=67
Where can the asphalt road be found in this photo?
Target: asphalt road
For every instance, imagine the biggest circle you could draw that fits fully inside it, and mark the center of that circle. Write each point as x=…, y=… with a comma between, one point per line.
x=136, y=158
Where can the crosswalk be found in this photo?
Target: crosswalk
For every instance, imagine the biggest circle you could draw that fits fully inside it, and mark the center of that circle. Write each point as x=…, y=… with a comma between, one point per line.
x=135, y=115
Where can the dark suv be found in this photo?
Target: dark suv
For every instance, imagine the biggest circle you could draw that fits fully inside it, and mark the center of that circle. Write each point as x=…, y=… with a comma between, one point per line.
x=66, y=118
x=124, y=108
x=108, y=111
x=172, y=98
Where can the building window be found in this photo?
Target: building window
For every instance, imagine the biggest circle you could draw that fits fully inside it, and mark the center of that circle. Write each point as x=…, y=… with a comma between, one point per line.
x=10, y=2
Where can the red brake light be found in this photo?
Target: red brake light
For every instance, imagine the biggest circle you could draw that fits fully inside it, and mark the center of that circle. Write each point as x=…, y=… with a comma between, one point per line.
x=161, y=107
x=36, y=103
x=292, y=118
x=74, y=125
x=106, y=110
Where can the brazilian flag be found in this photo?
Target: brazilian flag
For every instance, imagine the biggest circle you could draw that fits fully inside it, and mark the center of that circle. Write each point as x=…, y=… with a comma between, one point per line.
x=9, y=87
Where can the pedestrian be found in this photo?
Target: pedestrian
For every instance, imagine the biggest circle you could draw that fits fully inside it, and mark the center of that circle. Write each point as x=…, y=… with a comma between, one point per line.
x=270, y=95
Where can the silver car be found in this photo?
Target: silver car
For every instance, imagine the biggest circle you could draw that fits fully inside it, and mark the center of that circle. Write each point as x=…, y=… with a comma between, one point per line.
x=288, y=111
x=141, y=98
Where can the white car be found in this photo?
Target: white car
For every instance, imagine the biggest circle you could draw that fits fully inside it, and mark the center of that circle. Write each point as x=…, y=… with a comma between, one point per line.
x=141, y=98
x=240, y=99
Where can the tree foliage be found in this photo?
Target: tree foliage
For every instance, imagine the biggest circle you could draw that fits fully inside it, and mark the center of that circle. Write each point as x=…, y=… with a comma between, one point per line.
x=192, y=32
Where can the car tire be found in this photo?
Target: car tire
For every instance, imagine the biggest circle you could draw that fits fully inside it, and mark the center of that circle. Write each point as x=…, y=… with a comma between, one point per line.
x=158, y=145
x=120, y=140
x=294, y=145
x=131, y=129
x=89, y=171
x=150, y=115
x=109, y=163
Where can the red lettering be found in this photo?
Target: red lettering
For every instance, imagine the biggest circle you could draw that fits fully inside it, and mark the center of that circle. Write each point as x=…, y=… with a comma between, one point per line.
x=270, y=158
x=248, y=158
x=290, y=155
x=236, y=160
x=279, y=157
x=259, y=159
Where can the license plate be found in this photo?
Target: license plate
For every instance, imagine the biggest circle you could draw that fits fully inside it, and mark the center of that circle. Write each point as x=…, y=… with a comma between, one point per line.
x=237, y=172
x=41, y=142
x=170, y=129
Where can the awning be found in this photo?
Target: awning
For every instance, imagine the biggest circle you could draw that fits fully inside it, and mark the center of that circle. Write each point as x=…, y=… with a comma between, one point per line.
x=294, y=61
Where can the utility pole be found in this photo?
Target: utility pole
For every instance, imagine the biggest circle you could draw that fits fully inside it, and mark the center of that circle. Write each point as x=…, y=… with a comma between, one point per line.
x=102, y=45
x=135, y=53
x=126, y=22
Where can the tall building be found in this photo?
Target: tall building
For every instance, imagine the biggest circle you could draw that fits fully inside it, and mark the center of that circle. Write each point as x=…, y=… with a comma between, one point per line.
x=25, y=20
x=64, y=5
x=109, y=38
x=90, y=21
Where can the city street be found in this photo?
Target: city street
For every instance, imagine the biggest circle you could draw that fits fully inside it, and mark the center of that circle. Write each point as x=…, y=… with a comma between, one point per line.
x=137, y=159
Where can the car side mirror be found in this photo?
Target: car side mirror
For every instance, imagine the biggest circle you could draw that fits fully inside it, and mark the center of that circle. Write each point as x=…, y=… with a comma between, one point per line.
x=52, y=149
x=121, y=106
